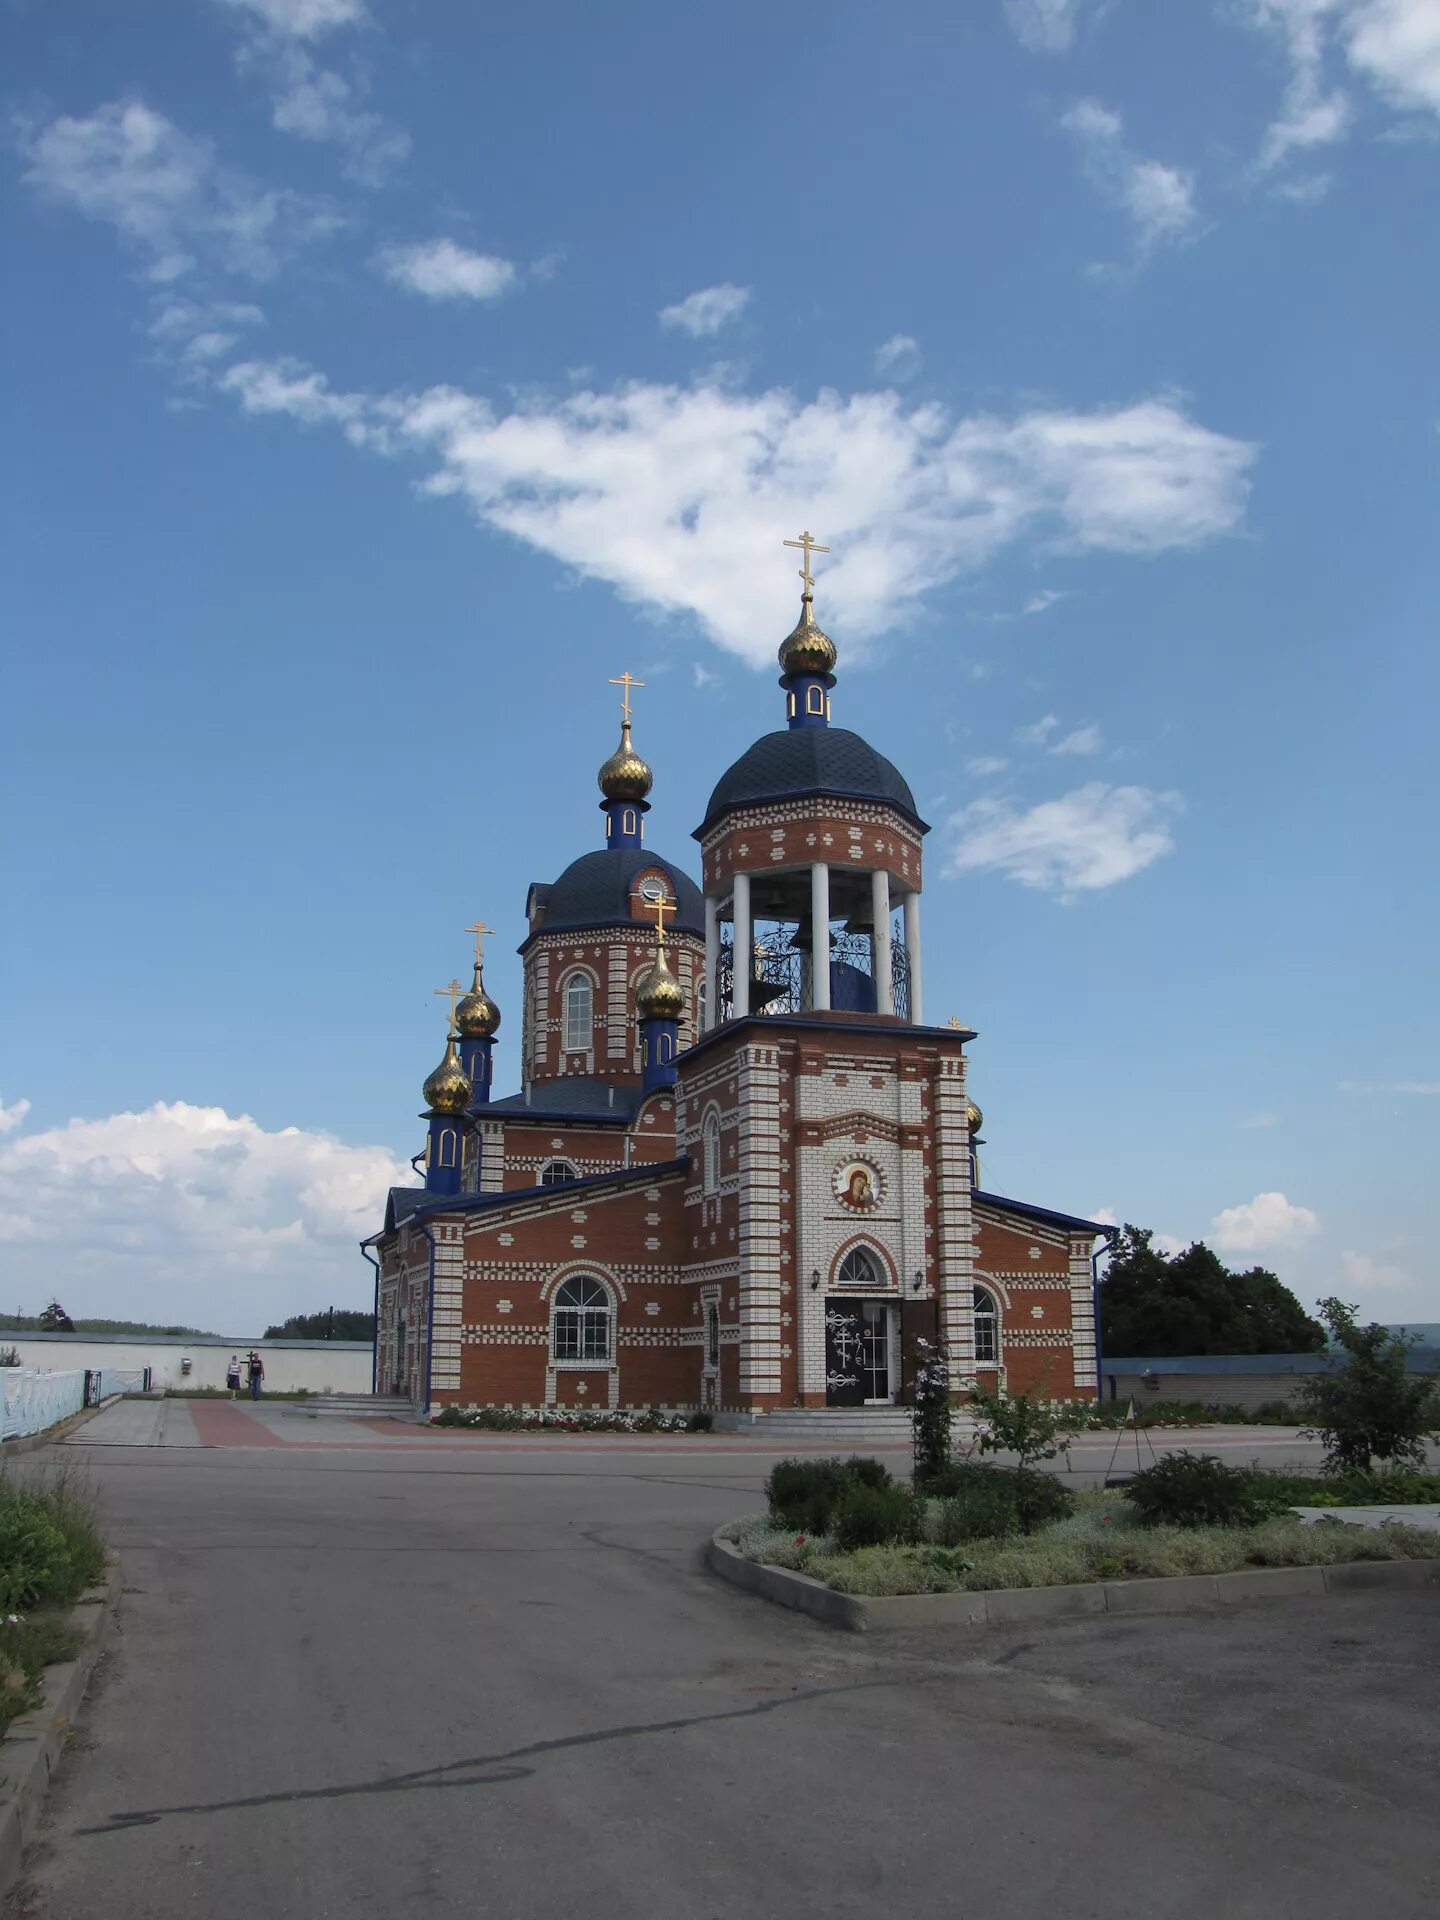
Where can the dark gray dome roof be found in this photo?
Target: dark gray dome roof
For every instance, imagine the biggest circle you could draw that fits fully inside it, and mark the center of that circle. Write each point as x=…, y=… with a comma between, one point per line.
x=594, y=891
x=805, y=760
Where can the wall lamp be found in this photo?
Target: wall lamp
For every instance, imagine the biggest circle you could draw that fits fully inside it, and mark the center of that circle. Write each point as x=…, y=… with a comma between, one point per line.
x=917, y=1285
x=815, y=1279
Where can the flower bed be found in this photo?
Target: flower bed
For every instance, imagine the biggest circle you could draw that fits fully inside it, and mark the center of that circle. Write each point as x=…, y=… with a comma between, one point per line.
x=1102, y=1540
x=571, y=1420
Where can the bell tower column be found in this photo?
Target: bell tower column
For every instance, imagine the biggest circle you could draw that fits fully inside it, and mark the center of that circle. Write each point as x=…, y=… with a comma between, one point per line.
x=880, y=941
x=820, y=937
x=712, y=962
x=912, y=954
x=744, y=956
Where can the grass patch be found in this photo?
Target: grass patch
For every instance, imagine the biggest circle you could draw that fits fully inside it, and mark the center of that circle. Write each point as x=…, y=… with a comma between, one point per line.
x=51, y=1550
x=1103, y=1540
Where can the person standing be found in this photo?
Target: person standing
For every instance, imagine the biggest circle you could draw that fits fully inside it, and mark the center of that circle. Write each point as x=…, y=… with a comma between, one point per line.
x=257, y=1373
x=232, y=1375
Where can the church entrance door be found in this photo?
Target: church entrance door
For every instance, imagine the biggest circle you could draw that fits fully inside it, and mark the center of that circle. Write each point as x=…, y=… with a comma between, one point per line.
x=861, y=1351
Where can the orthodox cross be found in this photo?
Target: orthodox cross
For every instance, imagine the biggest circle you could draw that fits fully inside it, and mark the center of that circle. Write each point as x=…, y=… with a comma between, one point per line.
x=808, y=545
x=660, y=908
x=954, y=1020
x=479, y=930
x=626, y=681
x=451, y=993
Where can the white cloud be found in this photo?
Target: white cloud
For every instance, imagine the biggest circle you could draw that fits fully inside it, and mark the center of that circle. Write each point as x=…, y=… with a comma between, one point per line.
x=1362, y=1273
x=1038, y=732
x=13, y=1116
x=1421, y=1087
x=703, y=676
x=1044, y=26
x=1046, y=598
x=1310, y=115
x=311, y=101
x=305, y=19
x=165, y=194
x=440, y=270
x=187, y=1213
x=1169, y=1244
x=1089, y=839
x=984, y=764
x=673, y=494
x=1258, y=1120
x=1084, y=740
x=196, y=334
x=1269, y=1220
x=704, y=313
x=1396, y=45
x=1160, y=200
x=898, y=358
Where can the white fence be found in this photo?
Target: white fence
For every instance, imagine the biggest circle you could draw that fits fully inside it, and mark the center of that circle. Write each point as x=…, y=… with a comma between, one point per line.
x=30, y=1402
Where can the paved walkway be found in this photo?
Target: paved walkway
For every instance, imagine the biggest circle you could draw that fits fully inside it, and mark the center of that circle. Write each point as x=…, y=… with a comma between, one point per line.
x=364, y=1681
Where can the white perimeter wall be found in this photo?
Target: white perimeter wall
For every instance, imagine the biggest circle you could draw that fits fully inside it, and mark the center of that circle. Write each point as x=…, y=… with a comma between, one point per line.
x=321, y=1366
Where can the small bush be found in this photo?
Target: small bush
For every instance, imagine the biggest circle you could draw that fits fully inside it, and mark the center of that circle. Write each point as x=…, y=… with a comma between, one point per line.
x=981, y=1502
x=869, y=1516
x=1387, y=1488
x=700, y=1423
x=1195, y=1490
x=804, y=1494
x=50, y=1544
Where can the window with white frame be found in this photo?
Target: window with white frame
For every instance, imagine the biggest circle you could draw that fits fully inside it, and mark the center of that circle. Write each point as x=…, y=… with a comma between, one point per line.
x=710, y=1142
x=581, y=1321
x=558, y=1173
x=579, y=1002
x=860, y=1268
x=987, y=1329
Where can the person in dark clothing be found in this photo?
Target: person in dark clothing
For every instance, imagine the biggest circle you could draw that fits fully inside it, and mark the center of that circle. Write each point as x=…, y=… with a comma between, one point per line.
x=255, y=1367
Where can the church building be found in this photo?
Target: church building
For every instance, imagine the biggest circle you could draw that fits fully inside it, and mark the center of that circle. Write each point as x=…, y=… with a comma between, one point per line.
x=741, y=1173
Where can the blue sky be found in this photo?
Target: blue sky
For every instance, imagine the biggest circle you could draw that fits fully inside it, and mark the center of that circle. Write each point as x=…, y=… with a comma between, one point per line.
x=385, y=377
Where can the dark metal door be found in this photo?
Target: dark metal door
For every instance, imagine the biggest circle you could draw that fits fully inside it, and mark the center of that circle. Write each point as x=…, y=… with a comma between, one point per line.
x=844, y=1353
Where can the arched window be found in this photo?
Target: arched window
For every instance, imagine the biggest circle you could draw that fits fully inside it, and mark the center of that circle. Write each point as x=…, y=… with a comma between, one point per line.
x=860, y=1269
x=987, y=1329
x=558, y=1173
x=667, y=1049
x=815, y=700
x=581, y=1322
x=710, y=1137
x=700, y=1000
x=578, y=1022
x=447, y=1147
x=627, y=820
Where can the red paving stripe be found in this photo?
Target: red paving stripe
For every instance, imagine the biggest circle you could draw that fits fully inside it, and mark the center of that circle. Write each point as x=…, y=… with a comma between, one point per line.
x=219, y=1424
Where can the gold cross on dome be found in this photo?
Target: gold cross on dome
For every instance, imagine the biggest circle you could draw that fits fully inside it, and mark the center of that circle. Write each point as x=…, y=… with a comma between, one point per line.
x=479, y=930
x=955, y=1021
x=660, y=908
x=451, y=993
x=626, y=681
x=808, y=545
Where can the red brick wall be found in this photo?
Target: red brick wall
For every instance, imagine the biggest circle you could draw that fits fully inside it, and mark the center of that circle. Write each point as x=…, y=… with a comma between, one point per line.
x=747, y=842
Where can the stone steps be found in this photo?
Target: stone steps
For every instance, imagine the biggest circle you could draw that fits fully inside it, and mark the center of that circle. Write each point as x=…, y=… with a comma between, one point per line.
x=355, y=1406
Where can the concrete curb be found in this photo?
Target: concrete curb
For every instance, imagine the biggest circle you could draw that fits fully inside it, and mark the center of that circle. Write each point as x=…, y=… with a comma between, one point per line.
x=32, y=1747
x=1006, y=1605
x=52, y=1436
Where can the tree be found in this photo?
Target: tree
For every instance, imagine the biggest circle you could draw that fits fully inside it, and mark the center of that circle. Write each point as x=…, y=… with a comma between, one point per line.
x=931, y=1415
x=1367, y=1407
x=1191, y=1302
x=332, y=1323
x=56, y=1320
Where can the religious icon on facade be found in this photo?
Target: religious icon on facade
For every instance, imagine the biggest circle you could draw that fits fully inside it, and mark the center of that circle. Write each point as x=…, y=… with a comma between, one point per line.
x=856, y=1184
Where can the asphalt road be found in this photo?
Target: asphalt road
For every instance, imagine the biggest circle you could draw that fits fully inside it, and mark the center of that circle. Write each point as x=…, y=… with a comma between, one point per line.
x=477, y=1681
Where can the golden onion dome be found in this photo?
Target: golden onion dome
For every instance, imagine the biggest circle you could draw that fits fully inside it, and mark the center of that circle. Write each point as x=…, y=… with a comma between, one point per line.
x=448, y=1089
x=659, y=996
x=974, y=1116
x=625, y=776
x=808, y=649
x=477, y=1015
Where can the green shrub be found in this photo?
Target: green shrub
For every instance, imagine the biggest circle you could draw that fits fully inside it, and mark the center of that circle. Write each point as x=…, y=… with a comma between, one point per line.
x=870, y=1516
x=1369, y=1406
x=700, y=1423
x=804, y=1494
x=983, y=1502
x=50, y=1544
x=1195, y=1490
x=1388, y=1487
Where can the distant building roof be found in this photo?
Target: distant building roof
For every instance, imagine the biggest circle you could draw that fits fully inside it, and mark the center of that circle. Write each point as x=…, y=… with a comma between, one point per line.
x=1421, y=1360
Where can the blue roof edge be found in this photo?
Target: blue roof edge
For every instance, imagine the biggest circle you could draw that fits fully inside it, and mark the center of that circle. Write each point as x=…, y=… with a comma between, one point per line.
x=478, y=1202
x=1049, y=1214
